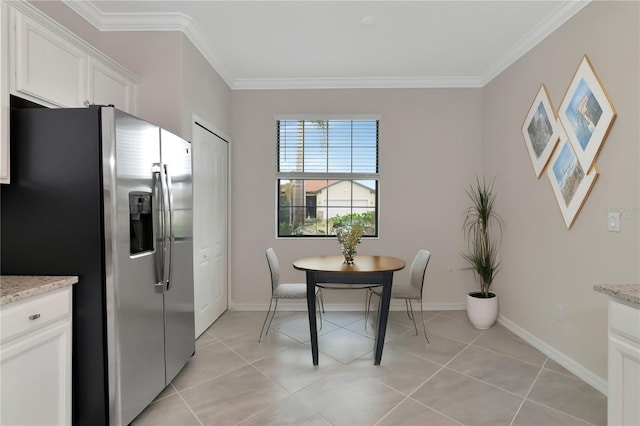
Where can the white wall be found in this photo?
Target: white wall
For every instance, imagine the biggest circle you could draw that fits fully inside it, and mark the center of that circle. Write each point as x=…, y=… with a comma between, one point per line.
x=430, y=149
x=545, y=264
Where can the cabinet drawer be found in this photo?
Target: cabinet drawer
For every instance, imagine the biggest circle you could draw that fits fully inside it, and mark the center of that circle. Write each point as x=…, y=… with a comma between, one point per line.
x=34, y=312
x=624, y=320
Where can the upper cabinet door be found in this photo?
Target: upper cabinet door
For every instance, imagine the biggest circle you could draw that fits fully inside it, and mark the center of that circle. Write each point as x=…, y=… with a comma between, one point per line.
x=48, y=67
x=108, y=87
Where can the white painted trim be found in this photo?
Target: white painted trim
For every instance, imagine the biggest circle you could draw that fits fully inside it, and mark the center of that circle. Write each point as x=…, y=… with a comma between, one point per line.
x=181, y=22
x=567, y=362
x=150, y=22
x=288, y=305
x=548, y=25
x=331, y=116
x=356, y=83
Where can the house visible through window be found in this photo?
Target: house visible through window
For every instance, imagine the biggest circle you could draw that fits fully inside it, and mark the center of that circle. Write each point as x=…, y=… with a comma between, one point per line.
x=327, y=175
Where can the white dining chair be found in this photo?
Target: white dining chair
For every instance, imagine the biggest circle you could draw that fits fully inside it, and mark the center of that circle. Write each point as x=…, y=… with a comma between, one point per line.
x=408, y=291
x=284, y=291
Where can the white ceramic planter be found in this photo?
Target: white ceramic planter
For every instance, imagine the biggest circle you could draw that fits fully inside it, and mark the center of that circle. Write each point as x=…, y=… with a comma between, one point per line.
x=482, y=312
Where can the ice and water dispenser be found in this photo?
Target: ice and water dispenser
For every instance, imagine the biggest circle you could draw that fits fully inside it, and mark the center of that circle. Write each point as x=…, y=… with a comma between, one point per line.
x=140, y=222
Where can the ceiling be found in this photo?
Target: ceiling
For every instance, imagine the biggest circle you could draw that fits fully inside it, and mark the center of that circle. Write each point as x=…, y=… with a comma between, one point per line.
x=339, y=44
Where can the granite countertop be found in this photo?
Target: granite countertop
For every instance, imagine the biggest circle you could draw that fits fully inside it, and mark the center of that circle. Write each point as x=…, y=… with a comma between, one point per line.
x=627, y=292
x=17, y=287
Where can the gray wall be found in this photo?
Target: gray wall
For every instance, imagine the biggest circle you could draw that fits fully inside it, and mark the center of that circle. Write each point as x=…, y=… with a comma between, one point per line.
x=430, y=149
x=544, y=263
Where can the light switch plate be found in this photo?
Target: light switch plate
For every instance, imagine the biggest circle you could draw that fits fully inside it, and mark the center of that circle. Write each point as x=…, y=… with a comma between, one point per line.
x=613, y=221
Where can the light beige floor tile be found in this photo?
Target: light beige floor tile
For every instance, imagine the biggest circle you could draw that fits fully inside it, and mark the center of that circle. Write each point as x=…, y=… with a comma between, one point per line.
x=552, y=365
x=205, y=339
x=208, y=362
x=400, y=316
x=293, y=368
x=498, y=370
x=394, y=330
x=167, y=391
x=456, y=314
x=532, y=414
x=398, y=370
x=456, y=329
x=439, y=349
x=349, y=398
x=344, y=345
x=248, y=347
x=170, y=411
x=503, y=341
x=412, y=413
x=298, y=328
x=467, y=400
x=233, y=397
x=235, y=323
x=288, y=412
x=343, y=319
x=570, y=395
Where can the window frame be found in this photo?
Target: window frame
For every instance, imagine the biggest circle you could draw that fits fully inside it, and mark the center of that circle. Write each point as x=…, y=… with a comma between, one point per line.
x=352, y=177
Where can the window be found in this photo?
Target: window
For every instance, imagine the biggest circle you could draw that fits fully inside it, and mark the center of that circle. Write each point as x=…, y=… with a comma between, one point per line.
x=327, y=176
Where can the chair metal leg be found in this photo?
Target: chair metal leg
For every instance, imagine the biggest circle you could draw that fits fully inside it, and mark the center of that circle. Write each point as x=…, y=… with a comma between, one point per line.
x=408, y=301
x=410, y=315
x=265, y=319
x=424, y=325
x=321, y=300
x=367, y=304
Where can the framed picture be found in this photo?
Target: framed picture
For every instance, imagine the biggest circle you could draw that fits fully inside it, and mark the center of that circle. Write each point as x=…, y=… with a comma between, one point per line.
x=540, y=131
x=570, y=182
x=586, y=114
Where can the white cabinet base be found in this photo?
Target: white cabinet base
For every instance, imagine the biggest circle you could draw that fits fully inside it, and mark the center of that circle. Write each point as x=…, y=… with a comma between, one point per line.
x=35, y=360
x=623, y=406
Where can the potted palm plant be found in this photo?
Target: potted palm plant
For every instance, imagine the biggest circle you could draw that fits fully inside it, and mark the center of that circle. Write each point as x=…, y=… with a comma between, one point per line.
x=483, y=232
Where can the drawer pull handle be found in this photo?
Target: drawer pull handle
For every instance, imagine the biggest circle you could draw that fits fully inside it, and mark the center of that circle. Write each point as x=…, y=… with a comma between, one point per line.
x=34, y=316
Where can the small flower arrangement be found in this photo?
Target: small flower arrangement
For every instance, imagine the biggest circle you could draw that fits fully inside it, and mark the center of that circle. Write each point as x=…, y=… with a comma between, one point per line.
x=349, y=237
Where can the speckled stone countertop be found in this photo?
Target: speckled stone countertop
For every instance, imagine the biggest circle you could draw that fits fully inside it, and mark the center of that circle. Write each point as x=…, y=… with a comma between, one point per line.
x=627, y=292
x=17, y=287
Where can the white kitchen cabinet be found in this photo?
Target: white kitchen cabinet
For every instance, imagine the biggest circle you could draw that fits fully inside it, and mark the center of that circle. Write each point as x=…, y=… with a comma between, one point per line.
x=624, y=364
x=35, y=360
x=51, y=66
x=46, y=67
x=108, y=87
x=45, y=63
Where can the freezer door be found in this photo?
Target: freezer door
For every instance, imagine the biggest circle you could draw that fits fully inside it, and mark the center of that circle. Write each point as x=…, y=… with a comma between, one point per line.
x=135, y=332
x=178, y=299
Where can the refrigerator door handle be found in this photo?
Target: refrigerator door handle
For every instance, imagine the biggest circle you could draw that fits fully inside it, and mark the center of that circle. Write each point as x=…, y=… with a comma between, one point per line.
x=170, y=235
x=160, y=189
x=166, y=229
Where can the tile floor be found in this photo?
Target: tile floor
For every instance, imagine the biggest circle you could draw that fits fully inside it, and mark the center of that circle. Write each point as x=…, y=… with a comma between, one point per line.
x=463, y=377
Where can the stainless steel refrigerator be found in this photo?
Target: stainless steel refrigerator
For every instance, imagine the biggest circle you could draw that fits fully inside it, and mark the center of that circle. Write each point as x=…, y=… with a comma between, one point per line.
x=101, y=194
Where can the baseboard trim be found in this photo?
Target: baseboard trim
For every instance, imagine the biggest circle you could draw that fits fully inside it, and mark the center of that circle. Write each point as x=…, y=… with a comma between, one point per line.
x=567, y=362
x=286, y=305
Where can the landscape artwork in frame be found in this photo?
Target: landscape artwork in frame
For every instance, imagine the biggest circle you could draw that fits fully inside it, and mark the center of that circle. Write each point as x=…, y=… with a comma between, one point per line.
x=586, y=114
x=570, y=182
x=540, y=131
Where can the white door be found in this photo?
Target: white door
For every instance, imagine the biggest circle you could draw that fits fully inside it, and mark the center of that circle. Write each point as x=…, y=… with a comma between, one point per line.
x=210, y=159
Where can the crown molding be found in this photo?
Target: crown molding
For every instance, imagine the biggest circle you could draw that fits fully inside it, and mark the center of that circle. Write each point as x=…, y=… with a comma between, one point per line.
x=355, y=83
x=150, y=22
x=548, y=25
x=181, y=22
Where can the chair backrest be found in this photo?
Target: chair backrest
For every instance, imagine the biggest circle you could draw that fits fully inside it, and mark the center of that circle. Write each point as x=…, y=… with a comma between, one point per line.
x=419, y=268
x=274, y=267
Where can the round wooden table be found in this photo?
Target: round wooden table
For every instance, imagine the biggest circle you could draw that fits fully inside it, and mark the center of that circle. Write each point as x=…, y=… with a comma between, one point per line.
x=373, y=270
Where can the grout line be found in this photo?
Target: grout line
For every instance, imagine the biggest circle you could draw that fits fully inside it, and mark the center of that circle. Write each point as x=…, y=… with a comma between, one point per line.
x=528, y=392
x=189, y=407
